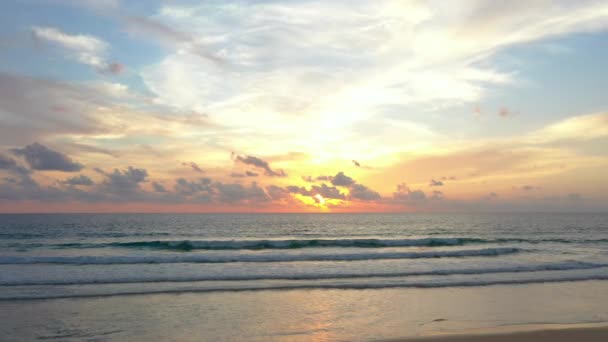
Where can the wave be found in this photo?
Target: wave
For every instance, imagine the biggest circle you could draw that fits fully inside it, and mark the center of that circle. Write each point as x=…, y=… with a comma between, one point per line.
x=226, y=258
x=188, y=245
x=313, y=285
x=564, y=266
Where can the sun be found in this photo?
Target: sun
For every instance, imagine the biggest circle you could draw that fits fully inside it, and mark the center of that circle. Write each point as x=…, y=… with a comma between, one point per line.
x=319, y=199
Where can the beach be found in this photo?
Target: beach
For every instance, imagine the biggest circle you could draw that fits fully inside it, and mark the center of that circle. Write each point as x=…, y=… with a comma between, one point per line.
x=308, y=315
x=532, y=333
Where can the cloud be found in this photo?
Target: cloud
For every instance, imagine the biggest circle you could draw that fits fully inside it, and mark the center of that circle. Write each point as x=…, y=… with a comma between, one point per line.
x=243, y=175
x=328, y=192
x=207, y=191
x=405, y=195
x=358, y=164
x=262, y=164
x=356, y=191
x=155, y=30
x=78, y=180
x=40, y=157
x=194, y=166
x=85, y=49
x=276, y=192
x=232, y=193
x=436, y=183
x=324, y=178
x=577, y=128
x=574, y=197
x=443, y=59
x=340, y=179
x=7, y=163
x=363, y=193
x=157, y=187
x=527, y=187
x=123, y=182
x=185, y=187
x=437, y=195
x=26, y=102
x=490, y=196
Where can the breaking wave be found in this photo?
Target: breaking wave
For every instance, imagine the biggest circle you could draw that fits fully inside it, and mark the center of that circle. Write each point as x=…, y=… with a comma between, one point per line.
x=268, y=257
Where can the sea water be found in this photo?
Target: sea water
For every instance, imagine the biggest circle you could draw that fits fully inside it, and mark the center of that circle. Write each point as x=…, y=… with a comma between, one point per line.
x=295, y=276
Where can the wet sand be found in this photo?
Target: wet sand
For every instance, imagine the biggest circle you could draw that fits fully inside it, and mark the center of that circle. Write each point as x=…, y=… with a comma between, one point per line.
x=532, y=333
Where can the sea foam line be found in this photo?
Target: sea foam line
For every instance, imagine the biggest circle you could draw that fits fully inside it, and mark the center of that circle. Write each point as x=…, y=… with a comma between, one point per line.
x=214, y=258
x=565, y=266
x=341, y=286
x=187, y=245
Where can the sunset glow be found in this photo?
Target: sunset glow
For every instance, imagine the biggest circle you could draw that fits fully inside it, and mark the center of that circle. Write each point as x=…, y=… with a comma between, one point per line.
x=303, y=106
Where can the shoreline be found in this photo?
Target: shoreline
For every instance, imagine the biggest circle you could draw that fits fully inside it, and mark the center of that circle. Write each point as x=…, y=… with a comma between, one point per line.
x=580, y=332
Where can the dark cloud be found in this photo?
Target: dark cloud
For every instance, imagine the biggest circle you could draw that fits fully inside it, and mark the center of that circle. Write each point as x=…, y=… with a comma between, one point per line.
x=326, y=191
x=157, y=187
x=194, y=166
x=340, y=179
x=121, y=182
x=78, y=180
x=231, y=193
x=363, y=193
x=405, y=194
x=276, y=192
x=40, y=157
x=437, y=195
x=261, y=164
x=436, y=183
x=243, y=175
x=185, y=187
x=7, y=163
x=358, y=164
x=356, y=191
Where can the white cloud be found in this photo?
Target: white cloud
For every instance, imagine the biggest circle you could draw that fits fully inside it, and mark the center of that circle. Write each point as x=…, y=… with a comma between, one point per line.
x=577, y=128
x=85, y=49
x=313, y=70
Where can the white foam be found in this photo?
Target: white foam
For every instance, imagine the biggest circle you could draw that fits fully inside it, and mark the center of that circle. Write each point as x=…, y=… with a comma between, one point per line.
x=266, y=257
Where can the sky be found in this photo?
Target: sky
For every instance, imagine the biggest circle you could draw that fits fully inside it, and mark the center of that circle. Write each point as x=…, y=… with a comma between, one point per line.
x=303, y=106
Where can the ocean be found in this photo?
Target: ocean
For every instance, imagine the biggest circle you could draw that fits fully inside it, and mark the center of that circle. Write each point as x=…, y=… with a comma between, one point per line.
x=295, y=277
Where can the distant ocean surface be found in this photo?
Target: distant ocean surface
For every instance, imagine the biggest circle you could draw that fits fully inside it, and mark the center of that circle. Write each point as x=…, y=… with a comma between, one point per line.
x=73, y=256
